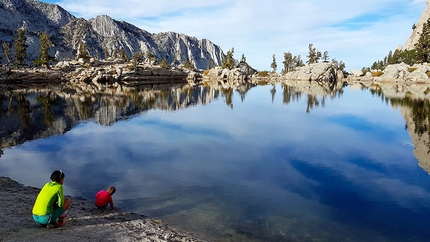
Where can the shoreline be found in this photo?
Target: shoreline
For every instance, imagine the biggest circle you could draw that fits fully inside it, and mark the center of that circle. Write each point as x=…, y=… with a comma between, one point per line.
x=84, y=221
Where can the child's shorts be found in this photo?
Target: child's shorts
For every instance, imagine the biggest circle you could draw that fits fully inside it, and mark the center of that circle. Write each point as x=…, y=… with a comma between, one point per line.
x=48, y=218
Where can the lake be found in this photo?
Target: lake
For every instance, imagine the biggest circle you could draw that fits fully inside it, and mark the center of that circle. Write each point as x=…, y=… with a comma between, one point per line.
x=256, y=163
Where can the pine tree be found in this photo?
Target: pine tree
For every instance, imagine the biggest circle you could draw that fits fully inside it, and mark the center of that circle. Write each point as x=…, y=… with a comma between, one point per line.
x=123, y=54
x=83, y=51
x=164, y=64
x=106, y=53
x=288, y=62
x=150, y=56
x=243, y=59
x=20, y=47
x=325, y=57
x=45, y=44
x=423, y=45
x=342, y=65
x=228, y=62
x=274, y=66
x=312, y=56
x=319, y=55
x=136, y=59
x=299, y=61
x=390, y=59
x=189, y=65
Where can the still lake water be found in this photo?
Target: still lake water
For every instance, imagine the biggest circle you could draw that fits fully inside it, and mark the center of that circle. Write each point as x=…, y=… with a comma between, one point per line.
x=265, y=164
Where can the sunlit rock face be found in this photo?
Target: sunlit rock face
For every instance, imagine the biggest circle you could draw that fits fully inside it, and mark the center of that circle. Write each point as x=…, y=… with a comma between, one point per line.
x=410, y=43
x=99, y=34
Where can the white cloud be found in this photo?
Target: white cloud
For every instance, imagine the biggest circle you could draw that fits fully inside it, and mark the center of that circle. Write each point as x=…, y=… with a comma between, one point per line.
x=356, y=32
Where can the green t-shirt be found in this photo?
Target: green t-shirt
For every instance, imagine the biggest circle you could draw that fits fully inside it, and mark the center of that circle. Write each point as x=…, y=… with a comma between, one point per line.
x=50, y=194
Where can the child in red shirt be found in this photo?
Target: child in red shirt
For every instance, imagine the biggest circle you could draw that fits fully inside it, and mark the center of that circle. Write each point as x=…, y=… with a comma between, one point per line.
x=104, y=197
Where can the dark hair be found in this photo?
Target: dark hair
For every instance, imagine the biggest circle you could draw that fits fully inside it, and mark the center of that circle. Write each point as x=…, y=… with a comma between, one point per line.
x=57, y=175
x=111, y=190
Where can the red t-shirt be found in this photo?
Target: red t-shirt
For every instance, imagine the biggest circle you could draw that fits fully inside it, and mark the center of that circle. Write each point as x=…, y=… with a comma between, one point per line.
x=103, y=198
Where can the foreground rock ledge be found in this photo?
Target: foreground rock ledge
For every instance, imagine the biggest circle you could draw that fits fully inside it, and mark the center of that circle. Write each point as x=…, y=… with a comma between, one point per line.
x=84, y=221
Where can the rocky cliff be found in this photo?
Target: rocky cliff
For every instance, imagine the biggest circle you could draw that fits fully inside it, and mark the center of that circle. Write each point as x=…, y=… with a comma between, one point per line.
x=413, y=39
x=99, y=33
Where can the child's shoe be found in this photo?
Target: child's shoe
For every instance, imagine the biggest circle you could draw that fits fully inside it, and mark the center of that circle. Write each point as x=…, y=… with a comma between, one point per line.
x=62, y=220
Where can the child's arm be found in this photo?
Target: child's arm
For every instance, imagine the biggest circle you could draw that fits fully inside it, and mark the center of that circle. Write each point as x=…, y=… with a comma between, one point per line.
x=111, y=202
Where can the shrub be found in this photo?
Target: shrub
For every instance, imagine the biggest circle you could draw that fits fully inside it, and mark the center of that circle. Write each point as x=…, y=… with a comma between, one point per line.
x=206, y=72
x=377, y=73
x=428, y=73
x=164, y=64
x=412, y=69
x=189, y=65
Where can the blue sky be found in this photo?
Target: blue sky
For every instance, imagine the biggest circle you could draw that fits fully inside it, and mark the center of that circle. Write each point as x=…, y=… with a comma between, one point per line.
x=355, y=32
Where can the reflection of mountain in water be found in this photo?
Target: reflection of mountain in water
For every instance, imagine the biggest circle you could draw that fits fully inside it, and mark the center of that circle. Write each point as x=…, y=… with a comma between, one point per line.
x=414, y=104
x=33, y=113
x=412, y=100
x=29, y=114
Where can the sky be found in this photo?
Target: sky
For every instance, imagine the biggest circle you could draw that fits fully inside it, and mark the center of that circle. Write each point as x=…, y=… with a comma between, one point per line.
x=355, y=32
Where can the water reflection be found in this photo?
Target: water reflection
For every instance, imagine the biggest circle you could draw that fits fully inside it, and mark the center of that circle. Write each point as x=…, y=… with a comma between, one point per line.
x=414, y=104
x=310, y=164
x=33, y=113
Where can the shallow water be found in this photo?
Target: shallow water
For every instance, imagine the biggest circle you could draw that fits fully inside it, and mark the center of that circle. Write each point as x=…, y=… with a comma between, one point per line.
x=265, y=164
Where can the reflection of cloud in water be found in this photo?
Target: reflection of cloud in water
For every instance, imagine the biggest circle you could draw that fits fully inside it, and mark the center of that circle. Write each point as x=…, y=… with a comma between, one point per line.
x=278, y=162
x=140, y=151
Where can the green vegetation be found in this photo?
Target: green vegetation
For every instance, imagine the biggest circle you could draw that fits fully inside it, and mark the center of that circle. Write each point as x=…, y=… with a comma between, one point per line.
x=291, y=62
x=44, y=57
x=123, y=54
x=150, y=56
x=83, y=51
x=274, y=66
x=135, y=60
x=228, y=62
x=420, y=54
x=20, y=47
x=314, y=55
x=325, y=57
x=164, y=64
x=106, y=53
x=422, y=47
x=189, y=65
x=115, y=53
x=243, y=59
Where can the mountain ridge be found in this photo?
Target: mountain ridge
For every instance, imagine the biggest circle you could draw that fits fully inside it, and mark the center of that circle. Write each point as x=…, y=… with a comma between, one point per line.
x=102, y=32
x=417, y=29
